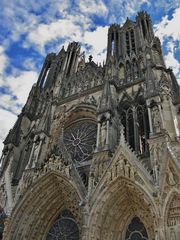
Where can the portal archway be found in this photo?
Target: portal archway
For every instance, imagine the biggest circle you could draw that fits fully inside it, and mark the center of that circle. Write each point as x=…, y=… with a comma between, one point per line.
x=116, y=206
x=41, y=206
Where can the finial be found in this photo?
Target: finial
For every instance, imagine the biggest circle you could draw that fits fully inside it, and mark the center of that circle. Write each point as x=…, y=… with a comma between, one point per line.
x=90, y=58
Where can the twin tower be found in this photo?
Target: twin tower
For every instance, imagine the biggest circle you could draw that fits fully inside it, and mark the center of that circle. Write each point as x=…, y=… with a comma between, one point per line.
x=94, y=154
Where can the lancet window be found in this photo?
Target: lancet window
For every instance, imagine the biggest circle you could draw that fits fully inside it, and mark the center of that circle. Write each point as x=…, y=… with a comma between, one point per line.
x=134, y=118
x=130, y=42
x=136, y=230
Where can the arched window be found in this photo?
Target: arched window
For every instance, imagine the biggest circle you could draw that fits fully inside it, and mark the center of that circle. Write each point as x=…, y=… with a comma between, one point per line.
x=65, y=227
x=130, y=42
x=133, y=48
x=136, y=230
x=112, y=44
x=134, y=118
x=143, y=28
x=128, y=123
x=127, y=43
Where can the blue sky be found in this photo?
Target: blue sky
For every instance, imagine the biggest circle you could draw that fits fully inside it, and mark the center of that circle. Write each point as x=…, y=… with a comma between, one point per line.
x=30, y=29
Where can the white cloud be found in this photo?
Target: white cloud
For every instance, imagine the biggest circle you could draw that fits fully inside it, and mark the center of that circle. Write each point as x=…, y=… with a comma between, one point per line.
x=19, y=85
x=93, y=7
x=3, y=60
x=70, y=29
x=98, y=41
x=169, y=28
x=171, y=61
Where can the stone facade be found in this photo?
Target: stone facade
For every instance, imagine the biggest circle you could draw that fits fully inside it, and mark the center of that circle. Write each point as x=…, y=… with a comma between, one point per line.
x=95, y=152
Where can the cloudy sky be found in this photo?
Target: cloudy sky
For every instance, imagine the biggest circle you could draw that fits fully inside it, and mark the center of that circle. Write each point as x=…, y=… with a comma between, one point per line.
x=30, y=29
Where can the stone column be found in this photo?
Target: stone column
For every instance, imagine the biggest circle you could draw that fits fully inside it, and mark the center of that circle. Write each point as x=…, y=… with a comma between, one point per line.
x=98, y=136
x=107, y=133
x=136, y=137
x=150, y=119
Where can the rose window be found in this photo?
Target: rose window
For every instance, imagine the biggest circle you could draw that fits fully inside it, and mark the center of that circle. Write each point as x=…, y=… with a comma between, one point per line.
x=80, y=140
x=65, y=228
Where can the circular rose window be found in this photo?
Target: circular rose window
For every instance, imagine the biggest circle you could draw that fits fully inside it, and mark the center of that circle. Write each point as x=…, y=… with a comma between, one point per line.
x=80, y=140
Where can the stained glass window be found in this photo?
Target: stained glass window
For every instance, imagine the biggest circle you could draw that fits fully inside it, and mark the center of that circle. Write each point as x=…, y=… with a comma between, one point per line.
x=64, y=228
x=80, y=140
x=136, y=230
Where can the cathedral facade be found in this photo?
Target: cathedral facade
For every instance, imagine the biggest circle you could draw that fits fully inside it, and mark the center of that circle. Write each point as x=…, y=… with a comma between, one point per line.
x=95, y=152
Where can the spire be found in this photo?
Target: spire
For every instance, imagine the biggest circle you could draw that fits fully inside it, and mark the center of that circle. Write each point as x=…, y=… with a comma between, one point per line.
x=62, y=51
x=106, y=102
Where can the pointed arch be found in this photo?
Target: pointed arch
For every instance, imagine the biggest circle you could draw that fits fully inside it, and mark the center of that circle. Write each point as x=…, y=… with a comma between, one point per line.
x=134, y=117
x=38, y=209
x=114, y=206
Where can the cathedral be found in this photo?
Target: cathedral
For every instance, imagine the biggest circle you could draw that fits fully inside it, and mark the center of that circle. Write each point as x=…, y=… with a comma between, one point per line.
x=95, y=151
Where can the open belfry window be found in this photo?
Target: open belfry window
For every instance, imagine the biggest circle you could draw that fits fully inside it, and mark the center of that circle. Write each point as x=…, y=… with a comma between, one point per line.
x=130, y=42
x=134, y=118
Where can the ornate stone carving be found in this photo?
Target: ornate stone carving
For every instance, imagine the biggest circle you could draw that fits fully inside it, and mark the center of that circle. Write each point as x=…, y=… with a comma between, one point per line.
x=54, y=163
x=174, y=211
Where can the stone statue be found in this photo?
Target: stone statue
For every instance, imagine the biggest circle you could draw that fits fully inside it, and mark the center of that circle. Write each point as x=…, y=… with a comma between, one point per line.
x=103, y=133
x=156, y=120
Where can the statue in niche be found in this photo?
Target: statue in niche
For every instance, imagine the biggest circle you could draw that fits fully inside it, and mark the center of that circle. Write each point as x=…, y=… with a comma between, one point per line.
x=172, y=235
x=135, y=69
x=171, y=179
x=103, y=133
x=121, y=72
x=128, y=72
x=36, y=150
x=156, y=120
